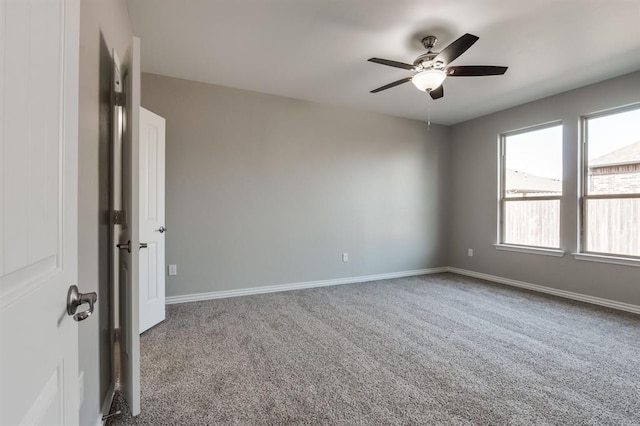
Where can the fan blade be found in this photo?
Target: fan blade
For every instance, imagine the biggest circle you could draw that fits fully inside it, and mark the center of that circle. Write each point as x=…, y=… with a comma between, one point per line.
x=390, y=85
x=457, y=48
x=391, y=63
x=475, y=70
x=437, y=93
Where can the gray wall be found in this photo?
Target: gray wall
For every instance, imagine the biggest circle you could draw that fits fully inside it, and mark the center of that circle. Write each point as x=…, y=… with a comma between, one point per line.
x=104, y=26
x=473, y=206
x=265, y=190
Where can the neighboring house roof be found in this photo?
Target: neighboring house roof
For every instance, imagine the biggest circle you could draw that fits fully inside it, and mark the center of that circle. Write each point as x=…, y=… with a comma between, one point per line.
x=629, y=154
x=524, y=183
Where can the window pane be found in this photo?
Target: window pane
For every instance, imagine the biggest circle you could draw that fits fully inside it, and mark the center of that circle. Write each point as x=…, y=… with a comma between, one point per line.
x=613, y=148
x=613, y=226
x=533, y=163
x=532, y=223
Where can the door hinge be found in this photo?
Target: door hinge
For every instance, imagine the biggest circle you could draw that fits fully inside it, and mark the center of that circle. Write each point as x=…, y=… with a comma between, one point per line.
x=120, y=99
x=118, y=217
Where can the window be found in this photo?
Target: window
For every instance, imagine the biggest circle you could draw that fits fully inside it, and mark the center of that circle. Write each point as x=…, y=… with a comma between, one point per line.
x=531, y=187
x=611, y=183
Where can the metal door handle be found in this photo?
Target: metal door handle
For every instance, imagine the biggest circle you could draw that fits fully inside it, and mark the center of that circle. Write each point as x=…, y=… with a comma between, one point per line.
x=142, y=245
x=75, y=299
x=126, y=246
x=161, y=230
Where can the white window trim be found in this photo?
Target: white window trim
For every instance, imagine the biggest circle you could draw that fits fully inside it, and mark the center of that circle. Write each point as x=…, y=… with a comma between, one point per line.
x=530, y=249
x=612, y=258
x=502, y=198
x=602, y=258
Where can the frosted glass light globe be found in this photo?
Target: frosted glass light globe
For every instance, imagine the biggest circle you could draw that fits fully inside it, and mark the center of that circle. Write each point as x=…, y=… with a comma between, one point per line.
x=428, y=80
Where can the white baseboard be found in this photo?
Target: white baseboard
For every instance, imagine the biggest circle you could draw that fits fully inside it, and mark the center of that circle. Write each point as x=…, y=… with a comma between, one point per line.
x=365, y=278
x=549, y=290
x=298, y=286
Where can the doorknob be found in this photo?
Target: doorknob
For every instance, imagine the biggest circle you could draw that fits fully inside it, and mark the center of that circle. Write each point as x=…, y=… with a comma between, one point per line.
x=142, y=245
x=161, y=230
x=75, y=299
x=126, y=246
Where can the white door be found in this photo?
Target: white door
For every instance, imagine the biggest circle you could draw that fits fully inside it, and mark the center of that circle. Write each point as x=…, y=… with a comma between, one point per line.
x=39, y=48
x=152, y=304
x=129, y=293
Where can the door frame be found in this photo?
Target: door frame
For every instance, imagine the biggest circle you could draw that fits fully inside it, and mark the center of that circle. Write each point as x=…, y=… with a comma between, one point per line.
x=129, y=292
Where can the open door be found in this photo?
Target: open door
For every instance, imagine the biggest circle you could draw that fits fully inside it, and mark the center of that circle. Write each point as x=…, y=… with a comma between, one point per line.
x=129, y=293
x=152, y=153
x=39, y=49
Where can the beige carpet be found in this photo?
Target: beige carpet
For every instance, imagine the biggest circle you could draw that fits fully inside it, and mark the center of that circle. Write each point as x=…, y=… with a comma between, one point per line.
x=436, y=349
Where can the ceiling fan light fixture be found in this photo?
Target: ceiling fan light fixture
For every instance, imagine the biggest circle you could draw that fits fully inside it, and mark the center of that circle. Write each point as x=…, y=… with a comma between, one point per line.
x=429, y=79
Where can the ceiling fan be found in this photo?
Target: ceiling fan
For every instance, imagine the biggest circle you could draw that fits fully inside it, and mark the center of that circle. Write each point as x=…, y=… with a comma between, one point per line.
x=431, y=68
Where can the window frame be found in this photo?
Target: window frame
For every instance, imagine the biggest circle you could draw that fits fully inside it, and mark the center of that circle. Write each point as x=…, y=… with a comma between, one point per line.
x=583, y=253
x=502, y=199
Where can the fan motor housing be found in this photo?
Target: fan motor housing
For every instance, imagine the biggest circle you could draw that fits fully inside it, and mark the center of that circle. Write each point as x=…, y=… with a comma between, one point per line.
x=426, y=61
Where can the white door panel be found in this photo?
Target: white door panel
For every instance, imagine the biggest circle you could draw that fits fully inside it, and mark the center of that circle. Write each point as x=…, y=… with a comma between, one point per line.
x=152, y=184
x=39, y=49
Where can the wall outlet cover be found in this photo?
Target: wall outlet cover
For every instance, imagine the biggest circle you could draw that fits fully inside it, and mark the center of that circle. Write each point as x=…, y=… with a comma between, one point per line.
x=173, y=270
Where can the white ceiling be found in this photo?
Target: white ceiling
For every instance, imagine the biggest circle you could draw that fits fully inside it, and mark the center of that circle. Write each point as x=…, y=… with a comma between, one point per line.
x=318, y=49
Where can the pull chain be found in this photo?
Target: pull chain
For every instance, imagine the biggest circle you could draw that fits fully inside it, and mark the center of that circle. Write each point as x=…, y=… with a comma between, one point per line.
x=428, y=115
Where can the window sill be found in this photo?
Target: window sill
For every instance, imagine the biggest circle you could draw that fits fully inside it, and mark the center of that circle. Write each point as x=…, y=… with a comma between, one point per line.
x=530, y=250
x=607, y=259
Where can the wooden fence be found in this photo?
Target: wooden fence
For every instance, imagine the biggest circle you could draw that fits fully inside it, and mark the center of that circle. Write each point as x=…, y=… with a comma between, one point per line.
x=613, y=225
x=532, y=223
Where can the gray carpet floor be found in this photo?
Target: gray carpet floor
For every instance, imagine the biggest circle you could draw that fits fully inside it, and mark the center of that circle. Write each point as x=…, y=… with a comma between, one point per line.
x=435, y=349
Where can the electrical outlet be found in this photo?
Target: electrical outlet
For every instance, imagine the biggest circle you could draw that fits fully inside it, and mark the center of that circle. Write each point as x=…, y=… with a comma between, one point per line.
x=173, y=270
x=81, y=387
x=345, y=257
x=470, y=252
